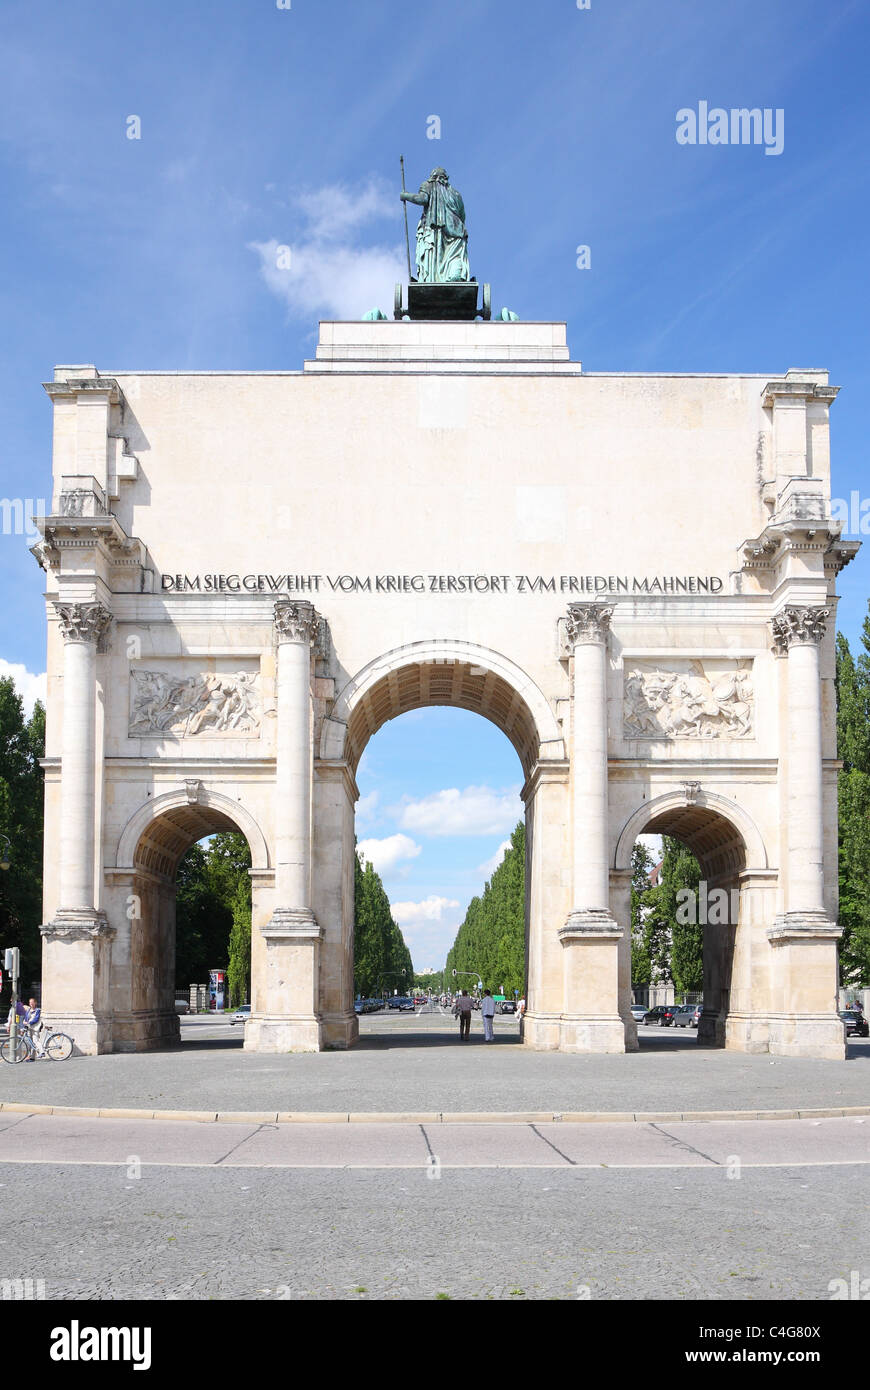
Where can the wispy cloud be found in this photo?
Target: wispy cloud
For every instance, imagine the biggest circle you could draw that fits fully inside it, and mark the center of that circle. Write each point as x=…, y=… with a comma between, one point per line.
x=472, y=811
x=323, y=268
x=490, y=865
x=431, y=909
x=29, y=686
x=385, y=855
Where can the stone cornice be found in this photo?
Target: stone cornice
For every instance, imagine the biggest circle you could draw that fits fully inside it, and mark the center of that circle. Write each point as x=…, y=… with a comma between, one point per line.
x=81, y=386
x=765, y=552
x=797, y=390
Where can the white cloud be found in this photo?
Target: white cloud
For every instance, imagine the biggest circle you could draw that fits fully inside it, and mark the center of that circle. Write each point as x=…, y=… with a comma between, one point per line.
x=329, y=272
x=473, y=811
x=30, y=687
x=385, y=854
x=366, y=807
x=431, y=909
x=490, y=865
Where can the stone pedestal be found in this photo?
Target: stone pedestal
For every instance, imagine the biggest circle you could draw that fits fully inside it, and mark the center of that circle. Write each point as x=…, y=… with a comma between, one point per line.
x=76, y=957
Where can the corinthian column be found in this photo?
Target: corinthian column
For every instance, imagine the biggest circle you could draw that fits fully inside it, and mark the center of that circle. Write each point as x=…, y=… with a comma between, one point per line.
x=798, y=631
x=295, y=626
x=804, y=1021
x=82, y=626
x=285, y=955
x=76, y=940
x=591, y=936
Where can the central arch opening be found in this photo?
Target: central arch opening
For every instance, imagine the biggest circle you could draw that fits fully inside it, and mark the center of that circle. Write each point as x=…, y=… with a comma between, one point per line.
x=439, y=807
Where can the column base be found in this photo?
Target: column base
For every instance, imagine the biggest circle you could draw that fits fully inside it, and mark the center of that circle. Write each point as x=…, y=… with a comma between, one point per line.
x=77, y=924
x=284, y=1033
x=808, y=1035
x=340, y=1031
x=803, y=926
x=592, y=1033
x=747, y=1032
x=146, y=1030
x=590, y=921
x=292, y=921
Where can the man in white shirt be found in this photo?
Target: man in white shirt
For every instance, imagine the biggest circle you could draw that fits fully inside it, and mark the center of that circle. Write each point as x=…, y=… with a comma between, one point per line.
x=487, y=1013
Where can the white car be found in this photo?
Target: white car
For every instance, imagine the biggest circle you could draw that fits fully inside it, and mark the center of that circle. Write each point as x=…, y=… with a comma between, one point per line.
x=241, y=1015
x=638, y=1012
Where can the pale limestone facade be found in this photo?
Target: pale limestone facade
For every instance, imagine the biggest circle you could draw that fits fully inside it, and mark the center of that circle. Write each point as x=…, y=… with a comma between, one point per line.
x=632, y=576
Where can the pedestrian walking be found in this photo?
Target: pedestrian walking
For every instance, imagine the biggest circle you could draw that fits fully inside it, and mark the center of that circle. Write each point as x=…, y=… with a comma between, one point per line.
x=521, y=1007
x=487, y=1013
x=462, y=1011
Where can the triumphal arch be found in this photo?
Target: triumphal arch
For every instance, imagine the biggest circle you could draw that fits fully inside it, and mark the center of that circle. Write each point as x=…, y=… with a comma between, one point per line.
x=633, y=576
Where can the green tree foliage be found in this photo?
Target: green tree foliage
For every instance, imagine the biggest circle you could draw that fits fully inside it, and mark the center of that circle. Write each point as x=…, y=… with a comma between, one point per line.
x=853, y=797
x=674, y=945
x=213, y=910
x=22, y=745
x=642, y=864
x=382, y=961
x=491, y=940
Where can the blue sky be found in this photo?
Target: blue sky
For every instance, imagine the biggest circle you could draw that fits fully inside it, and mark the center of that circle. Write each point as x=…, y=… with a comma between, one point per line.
x=263, y=127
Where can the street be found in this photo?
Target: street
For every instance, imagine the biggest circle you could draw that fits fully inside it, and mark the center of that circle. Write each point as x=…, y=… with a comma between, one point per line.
x=151, y=1209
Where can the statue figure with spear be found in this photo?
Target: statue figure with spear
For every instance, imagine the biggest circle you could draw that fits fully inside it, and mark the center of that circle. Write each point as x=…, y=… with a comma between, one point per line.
x=442, y=237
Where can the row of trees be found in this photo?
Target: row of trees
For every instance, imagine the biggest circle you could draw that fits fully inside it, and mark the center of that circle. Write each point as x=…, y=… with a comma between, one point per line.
x=663, y=947
x=853, y=795
x=213, y=914
x=22, y=745
x=491, y=940
x=382, y=961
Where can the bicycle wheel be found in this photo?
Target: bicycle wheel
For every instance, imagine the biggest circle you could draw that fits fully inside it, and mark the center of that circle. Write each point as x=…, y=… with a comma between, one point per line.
x=58, y=1047
x=19, y=1053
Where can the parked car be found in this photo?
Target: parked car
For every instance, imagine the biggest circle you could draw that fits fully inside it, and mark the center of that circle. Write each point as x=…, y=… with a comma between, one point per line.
x=182, y=1006
x=662, y=1014
x=241, y=1015
x=508, y=1006
x=684, y=1016
x=696, y=1016
x=856, y=1024
x=358, y=1005
x=638, y=1012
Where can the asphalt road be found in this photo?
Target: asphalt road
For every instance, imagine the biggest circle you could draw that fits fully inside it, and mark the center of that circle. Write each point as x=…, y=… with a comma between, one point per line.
x=115, y=1209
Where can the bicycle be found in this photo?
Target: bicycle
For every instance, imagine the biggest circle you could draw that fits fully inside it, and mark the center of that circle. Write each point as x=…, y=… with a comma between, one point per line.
x=55, y=1045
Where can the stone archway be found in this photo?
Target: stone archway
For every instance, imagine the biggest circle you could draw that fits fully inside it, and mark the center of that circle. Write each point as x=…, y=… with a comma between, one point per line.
x=736, y=905
x=419, y=675
x=142, y=897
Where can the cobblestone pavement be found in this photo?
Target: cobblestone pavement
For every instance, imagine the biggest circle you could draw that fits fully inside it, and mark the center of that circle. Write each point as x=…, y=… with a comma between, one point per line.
x=417, y=1064
x=510, y=1234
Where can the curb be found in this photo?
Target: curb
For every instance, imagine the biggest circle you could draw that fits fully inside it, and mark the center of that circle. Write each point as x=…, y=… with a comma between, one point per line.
x=507, y=1117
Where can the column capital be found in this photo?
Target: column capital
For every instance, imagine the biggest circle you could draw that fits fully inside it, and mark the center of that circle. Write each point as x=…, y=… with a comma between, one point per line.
x=587, y=623
x=295, y=621
x=799, y=625
x=83, y=622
